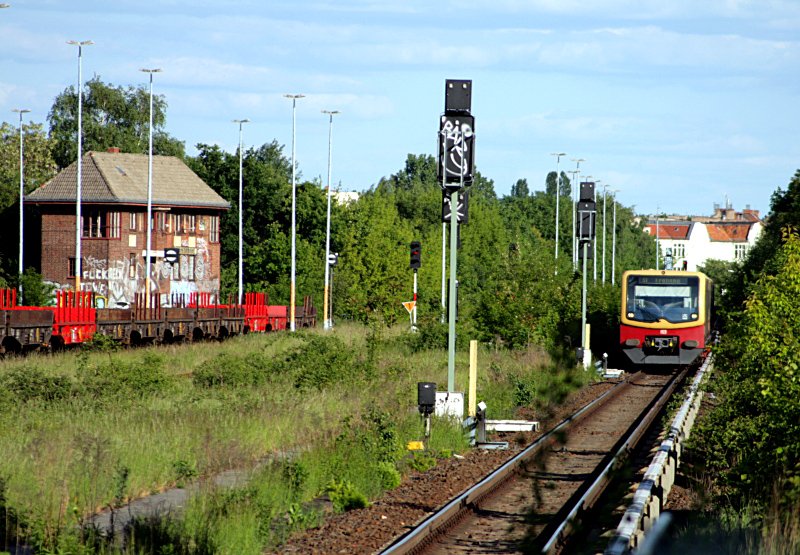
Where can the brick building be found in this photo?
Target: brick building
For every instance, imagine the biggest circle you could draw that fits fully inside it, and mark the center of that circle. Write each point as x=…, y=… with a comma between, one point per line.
x=184, y=223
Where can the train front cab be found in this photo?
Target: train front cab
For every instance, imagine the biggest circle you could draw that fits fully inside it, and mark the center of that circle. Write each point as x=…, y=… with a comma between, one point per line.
x=666, y=317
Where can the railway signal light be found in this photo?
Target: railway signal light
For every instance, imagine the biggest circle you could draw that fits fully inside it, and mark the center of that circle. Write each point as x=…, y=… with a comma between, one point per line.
x=416, y=253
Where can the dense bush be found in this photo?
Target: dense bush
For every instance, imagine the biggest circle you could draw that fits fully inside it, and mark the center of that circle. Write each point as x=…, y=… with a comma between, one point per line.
x=116, y=379
x=320, y=361
x=752, y=437
x=233, y=370
x=33, y=383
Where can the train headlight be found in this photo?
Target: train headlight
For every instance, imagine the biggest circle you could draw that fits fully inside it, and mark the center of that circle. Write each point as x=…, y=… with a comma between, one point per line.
x=630, y=314
x=694, y=316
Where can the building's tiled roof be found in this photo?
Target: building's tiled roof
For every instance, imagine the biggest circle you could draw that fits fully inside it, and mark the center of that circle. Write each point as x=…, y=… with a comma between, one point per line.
x=108, y=177
x=729, y=232
x=670, y=230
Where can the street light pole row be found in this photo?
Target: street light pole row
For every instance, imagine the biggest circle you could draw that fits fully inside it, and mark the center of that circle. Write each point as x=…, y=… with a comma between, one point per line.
x=294, y=98
x=78, y=234
x=327, y=321
x=21, y=112
x=148, y=255
x=558, y=156
x=241, y=210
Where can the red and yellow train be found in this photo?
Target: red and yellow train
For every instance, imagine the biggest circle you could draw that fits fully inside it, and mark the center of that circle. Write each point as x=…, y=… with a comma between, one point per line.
x=666, y=316
x=74, y=319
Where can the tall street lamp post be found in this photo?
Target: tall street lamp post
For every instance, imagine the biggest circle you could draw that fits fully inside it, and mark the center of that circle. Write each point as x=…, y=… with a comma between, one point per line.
x=328, y=322
x=21, y=111
x=614, y=235
x=148, y=253
x=241, y=209
x=658, y=246
x=558, y=156
x=605, y=201
x=294, y=98
x=78, y=226
x=575, y=193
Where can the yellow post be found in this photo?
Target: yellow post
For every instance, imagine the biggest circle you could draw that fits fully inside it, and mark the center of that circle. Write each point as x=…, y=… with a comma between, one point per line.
x=473, y=377
x=588, y=335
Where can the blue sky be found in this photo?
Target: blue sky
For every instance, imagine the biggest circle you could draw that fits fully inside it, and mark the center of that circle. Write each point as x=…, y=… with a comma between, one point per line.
x=678, y=104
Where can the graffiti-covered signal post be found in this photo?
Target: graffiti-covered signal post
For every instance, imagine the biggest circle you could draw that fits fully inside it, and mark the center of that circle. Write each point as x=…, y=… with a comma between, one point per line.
x=456, y=168
x=185, y=250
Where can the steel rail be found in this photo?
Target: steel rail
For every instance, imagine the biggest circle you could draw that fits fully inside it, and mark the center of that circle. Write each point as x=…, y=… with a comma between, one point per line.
x=447, y=514
x=593, y=492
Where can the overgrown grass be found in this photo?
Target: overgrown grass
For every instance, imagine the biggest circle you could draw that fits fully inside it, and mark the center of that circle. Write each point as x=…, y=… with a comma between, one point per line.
x=316, y=415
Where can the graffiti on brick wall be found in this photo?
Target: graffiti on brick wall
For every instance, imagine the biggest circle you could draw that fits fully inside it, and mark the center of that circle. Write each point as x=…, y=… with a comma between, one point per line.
x=118, y=281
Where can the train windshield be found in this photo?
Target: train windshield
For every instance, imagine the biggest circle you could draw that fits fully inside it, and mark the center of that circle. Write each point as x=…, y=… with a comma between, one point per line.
x=654, y=298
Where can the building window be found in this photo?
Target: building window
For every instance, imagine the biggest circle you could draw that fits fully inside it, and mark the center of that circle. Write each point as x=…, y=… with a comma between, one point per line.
x=213, y=234
x=132, y=221
x=71, y=272
x=679, y=250
x=176, y=271
x=98, y=224
x=188, y=223
x=132, y=265
x=159, y=221
x=739, y=251
x=114, y=225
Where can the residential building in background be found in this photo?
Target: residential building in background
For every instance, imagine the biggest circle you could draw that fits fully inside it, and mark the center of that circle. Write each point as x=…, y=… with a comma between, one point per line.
x=691, y=240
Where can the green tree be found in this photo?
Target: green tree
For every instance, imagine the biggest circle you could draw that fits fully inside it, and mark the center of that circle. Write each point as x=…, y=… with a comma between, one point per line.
x=784, y=212
x=39, y=167
x=112, y=117
x=35, y=292
x=373, y=278
x=266, y=225
x=39, y=163
x=520, y=188
x=751, y=438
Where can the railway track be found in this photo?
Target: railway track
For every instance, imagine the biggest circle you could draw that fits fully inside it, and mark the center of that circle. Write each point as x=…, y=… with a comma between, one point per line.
x=533, y=501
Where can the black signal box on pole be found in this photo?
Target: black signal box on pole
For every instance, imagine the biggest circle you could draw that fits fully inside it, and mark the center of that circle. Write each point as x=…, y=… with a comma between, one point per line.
x=457, y=96
x=587, y=191
x=416, y=253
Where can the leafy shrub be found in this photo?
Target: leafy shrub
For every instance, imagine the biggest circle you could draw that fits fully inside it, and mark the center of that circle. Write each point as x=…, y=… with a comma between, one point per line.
x=232, y=370
x=422, y=461
x=389, y=476
x=751, y=439
x=345, y=496
x=184, y=471
x=524, y=391
x=295, y=474
x=31, y=383
x=119, y=378
x=101, y=343
x=321, y=361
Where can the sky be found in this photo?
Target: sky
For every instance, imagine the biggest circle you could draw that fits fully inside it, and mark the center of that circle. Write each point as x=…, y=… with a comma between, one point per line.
x=677, y=105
